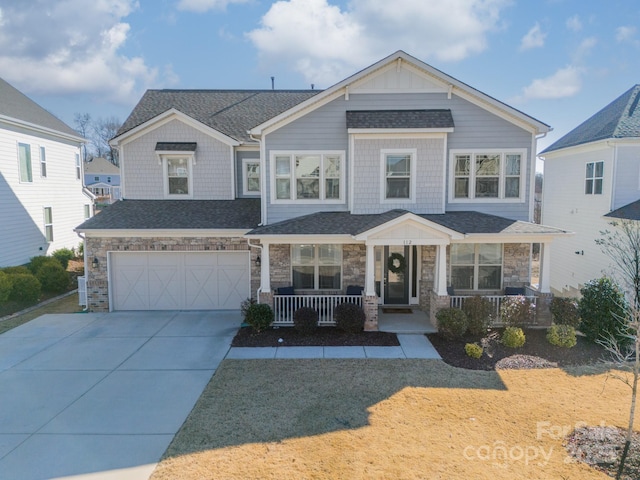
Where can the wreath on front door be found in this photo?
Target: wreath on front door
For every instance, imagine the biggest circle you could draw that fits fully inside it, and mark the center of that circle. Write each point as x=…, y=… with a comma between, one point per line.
x=396, y=263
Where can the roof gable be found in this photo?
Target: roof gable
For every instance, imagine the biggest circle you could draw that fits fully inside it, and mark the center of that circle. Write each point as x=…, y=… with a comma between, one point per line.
x=619, y=119
x=100, y=165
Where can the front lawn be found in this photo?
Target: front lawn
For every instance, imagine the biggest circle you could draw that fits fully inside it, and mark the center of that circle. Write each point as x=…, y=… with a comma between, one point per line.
x=408, y=419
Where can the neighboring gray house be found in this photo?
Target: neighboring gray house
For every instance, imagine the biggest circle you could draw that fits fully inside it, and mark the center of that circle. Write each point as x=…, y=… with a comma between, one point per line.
x=592, y=177
x=399, y=182
x=102, y=178
x=41, y=195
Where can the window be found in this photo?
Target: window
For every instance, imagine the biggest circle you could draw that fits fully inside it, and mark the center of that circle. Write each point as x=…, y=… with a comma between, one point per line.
x=250, y=177
x=487, y=175
x=96, y=179
x=78, y=167
x=108, y=179
x=476, y=266
x=24, y=156
x=398, y=175
x=316, y=267
x=594, y=176
x=43, y=163
x=48, y=224
x=178, y=176
x=87, y=211
x=308, y=176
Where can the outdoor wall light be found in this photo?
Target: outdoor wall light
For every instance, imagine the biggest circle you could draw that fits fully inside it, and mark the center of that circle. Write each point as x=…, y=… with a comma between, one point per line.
x=579, y=252
x=258, y=261
x=95, y=263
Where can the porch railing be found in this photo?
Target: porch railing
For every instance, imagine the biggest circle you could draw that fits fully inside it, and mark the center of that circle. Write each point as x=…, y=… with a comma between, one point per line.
x=457, y=301
x=284, y=306
x=82, y=291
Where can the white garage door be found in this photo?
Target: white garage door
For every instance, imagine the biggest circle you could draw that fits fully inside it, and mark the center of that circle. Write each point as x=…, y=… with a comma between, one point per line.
x=179, y=280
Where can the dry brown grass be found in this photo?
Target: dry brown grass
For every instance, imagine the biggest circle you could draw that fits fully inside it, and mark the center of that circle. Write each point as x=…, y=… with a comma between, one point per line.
x=68, y=304
x=388, y=419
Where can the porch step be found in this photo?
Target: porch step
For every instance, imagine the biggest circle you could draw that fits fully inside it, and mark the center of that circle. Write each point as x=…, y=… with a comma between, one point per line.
x=416, y=322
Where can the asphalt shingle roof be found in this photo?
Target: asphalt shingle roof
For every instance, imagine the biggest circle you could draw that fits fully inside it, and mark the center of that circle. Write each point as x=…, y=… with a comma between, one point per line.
x=628, y=212
x=344, y=223
x=440, y=118
x=16, y=105
x=619, y=119
x=242, y=213
x=232, y=112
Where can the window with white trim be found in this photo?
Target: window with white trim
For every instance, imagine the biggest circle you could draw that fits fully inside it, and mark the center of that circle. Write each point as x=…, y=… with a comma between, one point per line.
x=476, y=266
x=24, y=157
x=108, y=179
x=78, y=167
x=43, y=162
x=307, y=176
x=398, y=167
x=486, y=175
x=178, y=176
x=250, y=176
x=316, y=267
x=594, y=176
x=96, y=179
x=87, y=211
x=48, y=224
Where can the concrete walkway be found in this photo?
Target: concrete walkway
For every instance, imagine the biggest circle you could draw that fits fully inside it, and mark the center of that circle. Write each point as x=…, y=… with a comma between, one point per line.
x=101, y=396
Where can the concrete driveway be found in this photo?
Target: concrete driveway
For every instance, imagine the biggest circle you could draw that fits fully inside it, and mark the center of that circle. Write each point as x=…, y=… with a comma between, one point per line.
x=102, y=395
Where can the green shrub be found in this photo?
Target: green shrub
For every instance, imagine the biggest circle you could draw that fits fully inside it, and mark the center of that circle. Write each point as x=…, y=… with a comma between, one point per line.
x=14, y=270
x=259, y=316
x=513, y=337
x=452, y=322
x=517, y=311
x=80, y=250
x=26, y=288
x=478, y=311
x=473, y=350
x=602, y=309
x=305, y=320
x=36, y=263
x=63, y=255
x=349, y=317
x=562, y=336
x=244, y=306
x=53, y=278
x=5, y=287
x=565, y=311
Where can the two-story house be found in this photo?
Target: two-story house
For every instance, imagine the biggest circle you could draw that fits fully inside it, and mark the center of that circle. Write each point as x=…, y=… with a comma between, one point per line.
x=591, y=178
x=400, y=182
x=102, y=178
x=41, y=190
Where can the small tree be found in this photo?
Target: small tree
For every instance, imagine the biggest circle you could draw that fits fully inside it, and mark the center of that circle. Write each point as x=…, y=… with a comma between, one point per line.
x=623, y=247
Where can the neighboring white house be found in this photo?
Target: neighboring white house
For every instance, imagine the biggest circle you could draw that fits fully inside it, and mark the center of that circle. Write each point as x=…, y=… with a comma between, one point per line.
x=591, y=177
x=41, y=194
x=102, y=178
x=399, y=184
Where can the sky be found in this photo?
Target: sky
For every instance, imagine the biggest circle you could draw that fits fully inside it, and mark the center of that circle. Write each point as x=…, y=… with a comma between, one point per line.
x=559, y=61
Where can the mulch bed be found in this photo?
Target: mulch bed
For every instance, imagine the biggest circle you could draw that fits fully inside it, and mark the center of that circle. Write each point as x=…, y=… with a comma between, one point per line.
x=324, y=336
x=537, y=352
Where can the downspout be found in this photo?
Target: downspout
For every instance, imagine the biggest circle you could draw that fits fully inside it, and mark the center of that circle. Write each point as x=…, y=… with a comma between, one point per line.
x=263, y=181
x=259, y=290
x=86, y=266
x=532, y=182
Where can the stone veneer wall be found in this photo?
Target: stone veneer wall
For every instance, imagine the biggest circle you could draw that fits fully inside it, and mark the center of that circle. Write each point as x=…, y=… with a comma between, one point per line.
x=97, y=279
x=427, y=276
x=516, y=264
x=280, y=266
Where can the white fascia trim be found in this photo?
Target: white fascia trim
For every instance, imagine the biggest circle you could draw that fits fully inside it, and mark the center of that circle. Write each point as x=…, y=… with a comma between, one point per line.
x=37, y=128
x=577, y=149
x=513, y=238
x=164, y=233
x=248, y=148
x=377, y=242
x=406, y=132
x=409, y=216
x=303, y=239
x=166, y=117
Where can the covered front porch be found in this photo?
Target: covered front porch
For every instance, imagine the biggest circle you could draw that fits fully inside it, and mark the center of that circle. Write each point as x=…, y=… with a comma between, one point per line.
x=409, y=261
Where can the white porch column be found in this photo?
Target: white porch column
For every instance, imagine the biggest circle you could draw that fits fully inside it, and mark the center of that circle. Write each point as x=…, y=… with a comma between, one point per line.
x=441, y=271
x=370, y=272
x=265, y=273
x=545, y=268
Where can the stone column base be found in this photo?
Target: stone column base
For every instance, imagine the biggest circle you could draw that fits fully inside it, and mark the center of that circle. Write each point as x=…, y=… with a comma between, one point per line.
x=370, y=306
x=436, y=303
x=543, y=313
x=266, y=297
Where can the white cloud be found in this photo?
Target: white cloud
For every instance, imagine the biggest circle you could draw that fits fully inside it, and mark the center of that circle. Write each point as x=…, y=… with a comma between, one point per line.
x=324, y=43
x=534, y=38
x=200, y=6
x=626, y=34
x=565, y=82
x=76, y=50
x=574, y=23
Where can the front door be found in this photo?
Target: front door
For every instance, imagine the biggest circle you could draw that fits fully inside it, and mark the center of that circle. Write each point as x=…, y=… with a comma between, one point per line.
x=396, y=275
